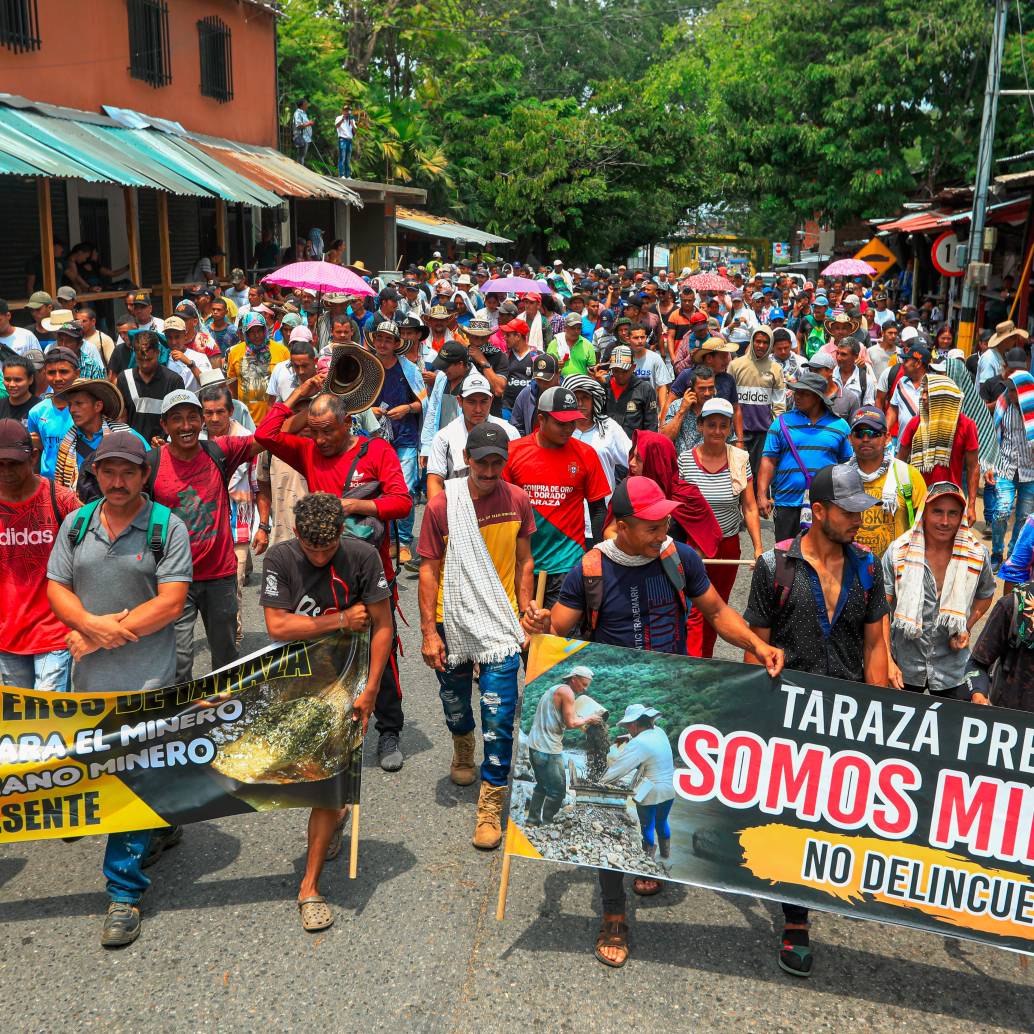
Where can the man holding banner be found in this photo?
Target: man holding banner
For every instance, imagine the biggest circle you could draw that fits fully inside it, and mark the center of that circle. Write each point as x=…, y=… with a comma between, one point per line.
x=119, y=575
x=822, y=601
x=312, y=585
x=640, y=600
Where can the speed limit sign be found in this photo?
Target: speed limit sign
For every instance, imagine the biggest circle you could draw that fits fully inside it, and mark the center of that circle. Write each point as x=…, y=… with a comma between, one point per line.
x=944, y=253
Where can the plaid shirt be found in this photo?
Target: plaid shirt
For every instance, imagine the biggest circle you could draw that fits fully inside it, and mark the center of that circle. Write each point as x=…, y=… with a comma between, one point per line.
x=1015, y=459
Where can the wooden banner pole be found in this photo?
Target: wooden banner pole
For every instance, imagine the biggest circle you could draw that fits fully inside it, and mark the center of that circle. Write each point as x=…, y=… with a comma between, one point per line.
x=504, y=876
x=353, y=845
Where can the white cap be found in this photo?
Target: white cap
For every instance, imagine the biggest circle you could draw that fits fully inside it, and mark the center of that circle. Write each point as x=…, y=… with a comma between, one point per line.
x=558, y=262
x=723, y=407
x=179, y=397
x=475, y=384
x=580, y=671
x=908, y=334
x=300, y=334
x=636, y=711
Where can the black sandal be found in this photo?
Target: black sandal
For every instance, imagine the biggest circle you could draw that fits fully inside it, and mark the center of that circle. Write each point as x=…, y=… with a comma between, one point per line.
x=613, y=934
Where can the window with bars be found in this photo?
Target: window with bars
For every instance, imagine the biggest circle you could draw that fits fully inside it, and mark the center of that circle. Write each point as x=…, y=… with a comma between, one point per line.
x=216, y=59
x=19, y=25
x=149, y=56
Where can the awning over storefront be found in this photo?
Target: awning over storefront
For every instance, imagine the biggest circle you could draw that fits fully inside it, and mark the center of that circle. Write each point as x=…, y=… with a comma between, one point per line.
x=918, y=222
x=43, y=140
x=1013, y=210
x=435, y=226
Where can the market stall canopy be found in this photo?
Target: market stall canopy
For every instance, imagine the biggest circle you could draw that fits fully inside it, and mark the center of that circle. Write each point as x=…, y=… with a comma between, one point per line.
x=436, y=226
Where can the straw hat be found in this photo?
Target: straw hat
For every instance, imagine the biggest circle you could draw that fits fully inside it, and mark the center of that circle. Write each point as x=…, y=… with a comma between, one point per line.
x=354, y=375
x=1002, y=333
x=104, y=390
x=841, y=321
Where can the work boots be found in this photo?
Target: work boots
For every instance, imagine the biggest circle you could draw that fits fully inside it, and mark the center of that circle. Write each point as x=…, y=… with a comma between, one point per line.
x=534, y=813
x=462, y=771
x=665, y=843
x=489, y=830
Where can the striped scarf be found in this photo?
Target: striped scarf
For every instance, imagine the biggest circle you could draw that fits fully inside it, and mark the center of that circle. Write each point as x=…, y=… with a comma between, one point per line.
x=1023, y=382
x=938, y=422
x=960, y=580
x=595, y=391
x=976, y=409
x=66, y=466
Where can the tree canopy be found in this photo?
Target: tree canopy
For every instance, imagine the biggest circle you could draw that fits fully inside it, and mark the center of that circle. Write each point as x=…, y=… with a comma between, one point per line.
x=585, y=127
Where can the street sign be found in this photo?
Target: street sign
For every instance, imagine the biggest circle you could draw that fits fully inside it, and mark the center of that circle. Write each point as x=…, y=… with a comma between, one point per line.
x=945, y=254
x=878, y=255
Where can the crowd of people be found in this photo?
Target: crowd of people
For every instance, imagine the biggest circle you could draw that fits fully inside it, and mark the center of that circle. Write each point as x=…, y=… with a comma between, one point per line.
x=587, y=452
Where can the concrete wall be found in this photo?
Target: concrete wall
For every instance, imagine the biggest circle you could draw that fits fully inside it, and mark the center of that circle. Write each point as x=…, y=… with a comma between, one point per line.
x=83, y=62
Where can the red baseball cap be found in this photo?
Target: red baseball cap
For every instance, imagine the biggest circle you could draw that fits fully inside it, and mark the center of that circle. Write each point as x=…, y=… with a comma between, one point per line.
x=515, y=327
x=698, y=317
x=641, y=497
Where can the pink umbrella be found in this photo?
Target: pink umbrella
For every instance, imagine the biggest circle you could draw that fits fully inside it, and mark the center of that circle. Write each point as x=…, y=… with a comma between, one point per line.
x=516, y=284
x=849, y=267
x=321, y=277
x=710, y=282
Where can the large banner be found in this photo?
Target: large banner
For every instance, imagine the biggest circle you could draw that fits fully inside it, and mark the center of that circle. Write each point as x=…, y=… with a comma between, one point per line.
x=810, y=790
x=273, y=730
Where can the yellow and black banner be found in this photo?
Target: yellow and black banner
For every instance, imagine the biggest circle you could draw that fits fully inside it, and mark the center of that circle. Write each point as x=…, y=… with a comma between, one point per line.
x=829, y=794
x=273, y=730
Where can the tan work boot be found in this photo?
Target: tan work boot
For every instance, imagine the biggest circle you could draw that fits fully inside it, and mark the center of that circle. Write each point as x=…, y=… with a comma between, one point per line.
x=462, y=771
x=489, y=831
x=405, y=555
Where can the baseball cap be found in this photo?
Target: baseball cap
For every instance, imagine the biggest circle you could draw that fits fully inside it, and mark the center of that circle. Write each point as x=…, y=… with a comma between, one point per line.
x=1017, y=359
x=66, y=294
x=58, y=354
x=723, y=407
x=300, y=333
x=641, y=497
x=757, y=296
x=451, y=352
x=697, y=317
x=908, y=334
x=775, y=313
x=820, y=299
x=921, y=353
x=821, y=361
x=175, y=323
x=993, y=388
x=545, y=367
x=939, y=488
x=139, y=298
x=841, y=484
x=237, y=276
x=559, y=402
x=636, y=711
x=869, y=416
x=573, y=319
x=515, y=327
x=187, y=310
x=38, y=299
x=72, y=330
x=389, y=327
x=580, y=671
x=123, y=445
x=487, y=439
x=621, y=358
x=475, y=384
x=15, y=443
x=388, y=294
x=179, y=397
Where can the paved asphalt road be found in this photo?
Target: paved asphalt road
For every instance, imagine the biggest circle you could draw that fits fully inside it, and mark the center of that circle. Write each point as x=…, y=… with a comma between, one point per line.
x=416, y=946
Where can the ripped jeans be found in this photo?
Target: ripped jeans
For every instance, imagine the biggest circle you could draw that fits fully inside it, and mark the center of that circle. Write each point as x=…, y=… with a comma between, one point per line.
x=498, y=685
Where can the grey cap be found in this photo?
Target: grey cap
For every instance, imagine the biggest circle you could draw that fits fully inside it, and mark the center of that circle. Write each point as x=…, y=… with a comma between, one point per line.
x=816, y=384
x=180, y=397
x=822, y=361
x=573, y=319
x=841, y=484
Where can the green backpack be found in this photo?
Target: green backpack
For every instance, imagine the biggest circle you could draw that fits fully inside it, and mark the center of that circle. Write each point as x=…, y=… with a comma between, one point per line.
x=157, y=527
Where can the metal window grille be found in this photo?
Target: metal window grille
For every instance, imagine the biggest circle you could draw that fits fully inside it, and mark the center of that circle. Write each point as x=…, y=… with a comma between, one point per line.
x=216, y=59
x=149, y=56
x=19, y=25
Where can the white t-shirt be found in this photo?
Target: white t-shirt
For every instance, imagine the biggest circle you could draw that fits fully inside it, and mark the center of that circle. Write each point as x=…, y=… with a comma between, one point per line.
x=446, y=457
x=282, y=381
x=882, y=318
x=190, y=382
x=612, y=446
x=650, y=366
x=854, y=383
x=905, y=398
x=345, y=127
x=21, y=341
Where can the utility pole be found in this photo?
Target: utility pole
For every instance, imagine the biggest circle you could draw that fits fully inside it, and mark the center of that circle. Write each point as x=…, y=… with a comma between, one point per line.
x=975, y=276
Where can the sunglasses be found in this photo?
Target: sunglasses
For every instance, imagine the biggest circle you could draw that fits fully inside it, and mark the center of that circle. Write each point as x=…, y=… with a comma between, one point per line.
x=867, y=432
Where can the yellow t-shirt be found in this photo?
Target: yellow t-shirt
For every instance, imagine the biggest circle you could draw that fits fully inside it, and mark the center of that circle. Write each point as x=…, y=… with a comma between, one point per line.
x=879, y=528
x=252, y=382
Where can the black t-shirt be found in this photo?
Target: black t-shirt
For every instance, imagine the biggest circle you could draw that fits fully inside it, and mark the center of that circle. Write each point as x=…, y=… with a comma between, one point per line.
x=119, y=358
x=10, y=411
x=290, y=582
x=500, y=364
x=518, y=377
x=144, y=413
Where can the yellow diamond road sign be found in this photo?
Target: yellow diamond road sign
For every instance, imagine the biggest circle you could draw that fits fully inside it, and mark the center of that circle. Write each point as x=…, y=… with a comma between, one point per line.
x=878, y=255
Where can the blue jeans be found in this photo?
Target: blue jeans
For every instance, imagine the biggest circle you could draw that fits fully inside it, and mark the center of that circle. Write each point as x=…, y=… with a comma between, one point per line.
x=1011, y=493
x=498, y=685
x=411, y=472
x=344, y=157
x=43, y=672
x=654, y=817
x=122, y=865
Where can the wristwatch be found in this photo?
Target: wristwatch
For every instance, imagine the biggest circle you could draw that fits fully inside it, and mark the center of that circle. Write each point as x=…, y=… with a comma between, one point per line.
x=267, y=528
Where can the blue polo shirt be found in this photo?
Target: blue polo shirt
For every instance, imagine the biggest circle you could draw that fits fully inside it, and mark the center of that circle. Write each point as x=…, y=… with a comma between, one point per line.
x=818, y=444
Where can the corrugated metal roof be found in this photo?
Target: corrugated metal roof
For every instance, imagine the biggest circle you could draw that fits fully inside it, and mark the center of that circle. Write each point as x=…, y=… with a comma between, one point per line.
x=436, y=226
x=275, y=171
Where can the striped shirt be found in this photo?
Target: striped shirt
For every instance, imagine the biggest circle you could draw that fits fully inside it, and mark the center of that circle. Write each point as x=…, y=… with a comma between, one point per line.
x=717, y=489
x=1015, y=457
x=819, y=445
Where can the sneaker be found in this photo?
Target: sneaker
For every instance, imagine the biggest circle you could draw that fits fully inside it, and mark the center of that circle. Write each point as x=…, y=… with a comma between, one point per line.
x=405, y=555
x=161, y=840
x=121, y=925
x=413, y=565
x=388, y=753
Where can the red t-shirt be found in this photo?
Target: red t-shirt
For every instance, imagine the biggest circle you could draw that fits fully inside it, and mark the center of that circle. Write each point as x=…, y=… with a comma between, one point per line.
x=328, y=473
x=965, y=441
x=194, y=491
x=28, y=532
x=559, y=482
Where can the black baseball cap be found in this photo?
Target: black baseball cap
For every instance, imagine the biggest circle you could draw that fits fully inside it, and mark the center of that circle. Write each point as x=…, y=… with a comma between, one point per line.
x=123, y=445
x=15, y=443
x=841, y=484
x=869, y=416
x=545, y=367
x=559, y=402
x=451, y=352
x=487, y=439
x=60, y=354
x=1017, y=359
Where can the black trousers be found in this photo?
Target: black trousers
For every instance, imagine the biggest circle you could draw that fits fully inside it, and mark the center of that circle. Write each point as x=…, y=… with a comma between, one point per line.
x=754, y=443
x=787, y=522
x=952, y=693
x=387, y=709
